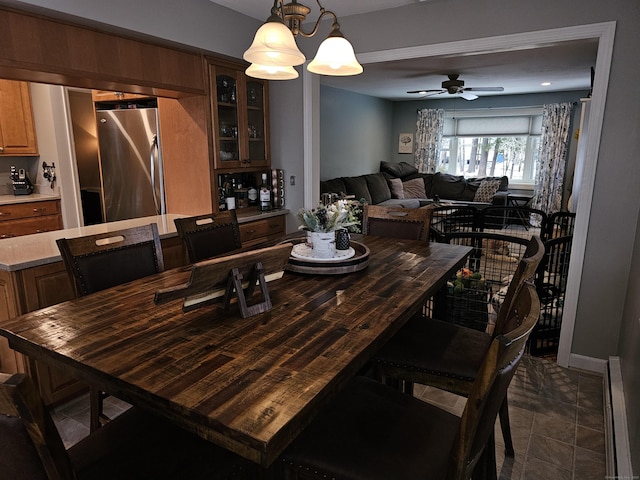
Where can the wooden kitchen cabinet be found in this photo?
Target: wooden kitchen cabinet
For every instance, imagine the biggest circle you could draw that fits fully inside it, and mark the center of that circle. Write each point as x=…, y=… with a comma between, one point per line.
x=17, y=131
x=260, y=231
x=240, y=115
x=19, y=219
x=24, y=291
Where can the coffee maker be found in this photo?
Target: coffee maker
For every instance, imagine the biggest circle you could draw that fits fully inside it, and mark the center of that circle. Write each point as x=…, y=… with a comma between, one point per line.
x=21, y=183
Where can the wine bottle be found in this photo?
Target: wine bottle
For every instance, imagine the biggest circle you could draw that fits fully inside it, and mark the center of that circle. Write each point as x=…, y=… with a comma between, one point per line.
x=253, y=192
x=230, y=197
x=264, y=194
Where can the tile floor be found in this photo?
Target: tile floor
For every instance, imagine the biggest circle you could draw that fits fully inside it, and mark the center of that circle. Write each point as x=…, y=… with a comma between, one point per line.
x=557, y=422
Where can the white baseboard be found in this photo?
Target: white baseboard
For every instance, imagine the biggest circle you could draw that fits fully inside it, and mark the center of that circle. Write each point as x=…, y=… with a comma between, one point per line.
x=590, y=364
x=618, y=450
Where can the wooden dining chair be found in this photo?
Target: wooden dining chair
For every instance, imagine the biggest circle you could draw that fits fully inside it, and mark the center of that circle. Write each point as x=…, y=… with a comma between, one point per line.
x=207, y=236
x=104, y=260
x=371, y=431
x=448, y=356
x=134, y=445
x=396, y=222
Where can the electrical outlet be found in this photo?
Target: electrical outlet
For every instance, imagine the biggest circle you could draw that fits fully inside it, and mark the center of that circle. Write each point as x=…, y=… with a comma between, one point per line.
x=292, y=179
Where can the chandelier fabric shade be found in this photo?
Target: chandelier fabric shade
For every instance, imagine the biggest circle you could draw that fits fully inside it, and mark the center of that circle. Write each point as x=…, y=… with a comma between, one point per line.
x=274, y=52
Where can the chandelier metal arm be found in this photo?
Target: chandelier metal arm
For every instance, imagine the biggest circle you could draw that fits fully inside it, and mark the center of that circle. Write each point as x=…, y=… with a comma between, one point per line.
x=293, y=14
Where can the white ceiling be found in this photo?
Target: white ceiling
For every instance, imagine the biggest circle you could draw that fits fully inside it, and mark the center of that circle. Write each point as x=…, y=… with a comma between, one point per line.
x=260, y=9
x=566, y=65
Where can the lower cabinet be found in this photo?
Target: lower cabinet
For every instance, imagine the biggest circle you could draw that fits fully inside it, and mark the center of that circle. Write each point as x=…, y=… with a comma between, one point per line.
x=38, y=287
x=30, y=217
x=260, y=231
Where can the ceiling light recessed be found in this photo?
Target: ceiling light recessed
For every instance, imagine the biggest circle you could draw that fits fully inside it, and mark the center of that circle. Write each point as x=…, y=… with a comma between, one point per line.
x=545, y=84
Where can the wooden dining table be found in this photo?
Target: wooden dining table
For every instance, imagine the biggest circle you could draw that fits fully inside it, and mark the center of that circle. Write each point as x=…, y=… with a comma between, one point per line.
x=247, y=384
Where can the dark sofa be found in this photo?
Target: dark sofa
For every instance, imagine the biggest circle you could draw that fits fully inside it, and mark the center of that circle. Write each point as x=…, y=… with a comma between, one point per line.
x=396, y=179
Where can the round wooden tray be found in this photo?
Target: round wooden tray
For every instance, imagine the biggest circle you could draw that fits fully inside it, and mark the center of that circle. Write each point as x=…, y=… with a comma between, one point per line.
x=358, y=262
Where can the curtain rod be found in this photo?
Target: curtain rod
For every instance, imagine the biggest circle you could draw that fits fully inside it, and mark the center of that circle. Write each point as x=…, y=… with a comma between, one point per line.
x=491, y=108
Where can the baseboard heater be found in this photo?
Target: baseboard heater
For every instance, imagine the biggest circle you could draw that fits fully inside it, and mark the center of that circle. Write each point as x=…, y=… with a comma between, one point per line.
x=618, y=453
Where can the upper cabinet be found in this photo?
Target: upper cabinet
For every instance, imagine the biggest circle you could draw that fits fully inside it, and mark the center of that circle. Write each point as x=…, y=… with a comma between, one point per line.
x=240, y=112
x=17, y=132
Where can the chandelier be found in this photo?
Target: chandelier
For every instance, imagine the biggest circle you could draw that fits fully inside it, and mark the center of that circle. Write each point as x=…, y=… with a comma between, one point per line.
x=274, y=52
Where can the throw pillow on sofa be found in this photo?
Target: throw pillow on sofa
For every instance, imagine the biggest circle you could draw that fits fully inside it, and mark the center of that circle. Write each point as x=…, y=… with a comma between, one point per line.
x=335, y=185
x=398, y=170
x=378, y=187
x=357, y=186
x=414, y=188
x=448, y=186
x=396, y=188
x=486, y=191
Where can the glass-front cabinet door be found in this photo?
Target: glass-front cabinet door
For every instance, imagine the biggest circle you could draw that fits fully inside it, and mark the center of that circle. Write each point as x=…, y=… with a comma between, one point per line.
x=240, y=113
x=256, y=124
x=227, y=99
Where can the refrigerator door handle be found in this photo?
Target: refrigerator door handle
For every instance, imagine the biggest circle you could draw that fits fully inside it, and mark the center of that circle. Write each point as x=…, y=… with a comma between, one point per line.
x=156, y=161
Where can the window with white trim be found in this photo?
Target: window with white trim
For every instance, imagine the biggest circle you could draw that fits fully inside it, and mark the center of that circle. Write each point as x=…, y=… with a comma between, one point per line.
x=493, y=142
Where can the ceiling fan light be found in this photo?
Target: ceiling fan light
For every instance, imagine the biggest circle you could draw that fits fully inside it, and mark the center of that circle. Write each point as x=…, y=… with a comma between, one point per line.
x=468, y=96
x=269, y=72
x=274, y=45
x=335, y=57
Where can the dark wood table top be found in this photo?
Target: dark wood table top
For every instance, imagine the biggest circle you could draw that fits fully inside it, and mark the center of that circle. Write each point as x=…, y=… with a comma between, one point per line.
x=250, y=385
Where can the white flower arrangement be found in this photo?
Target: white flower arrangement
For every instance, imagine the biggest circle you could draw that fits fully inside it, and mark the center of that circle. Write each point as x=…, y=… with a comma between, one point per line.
x=331, y=217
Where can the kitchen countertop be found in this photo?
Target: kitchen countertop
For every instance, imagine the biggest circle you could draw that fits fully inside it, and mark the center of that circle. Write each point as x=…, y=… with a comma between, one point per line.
x=18, y=253
x=34, y=197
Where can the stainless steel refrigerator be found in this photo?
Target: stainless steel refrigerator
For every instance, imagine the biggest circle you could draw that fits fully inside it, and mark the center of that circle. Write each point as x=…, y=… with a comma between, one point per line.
x=130, y=164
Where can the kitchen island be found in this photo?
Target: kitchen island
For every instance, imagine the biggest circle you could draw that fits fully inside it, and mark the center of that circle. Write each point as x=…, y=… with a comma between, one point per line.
x=32, y=276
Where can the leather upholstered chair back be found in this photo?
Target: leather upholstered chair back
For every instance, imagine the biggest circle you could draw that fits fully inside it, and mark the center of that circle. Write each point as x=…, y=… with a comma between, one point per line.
x=207, y=236
x=97, y=262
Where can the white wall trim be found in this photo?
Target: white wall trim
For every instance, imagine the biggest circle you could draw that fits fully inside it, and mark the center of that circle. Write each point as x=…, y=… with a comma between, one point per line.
x=604, y=33
x=311, y=137
x=501, y=43
x=587, y=182
x=622, y=466
x=590, y=364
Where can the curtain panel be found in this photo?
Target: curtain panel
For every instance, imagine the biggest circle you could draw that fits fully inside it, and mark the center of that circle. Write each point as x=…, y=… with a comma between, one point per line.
x=429, y=128
x=556, y=121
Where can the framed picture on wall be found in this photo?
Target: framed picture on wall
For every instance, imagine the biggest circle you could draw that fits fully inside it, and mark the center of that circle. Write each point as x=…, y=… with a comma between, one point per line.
x=405, y=143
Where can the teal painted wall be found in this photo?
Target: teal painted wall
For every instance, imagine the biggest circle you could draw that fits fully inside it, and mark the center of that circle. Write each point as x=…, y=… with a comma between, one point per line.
x=355, y=133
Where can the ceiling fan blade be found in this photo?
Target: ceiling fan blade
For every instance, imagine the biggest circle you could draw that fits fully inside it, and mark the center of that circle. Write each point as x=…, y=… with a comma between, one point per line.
x=484, y=89
x=468, y=96
x=426, y=91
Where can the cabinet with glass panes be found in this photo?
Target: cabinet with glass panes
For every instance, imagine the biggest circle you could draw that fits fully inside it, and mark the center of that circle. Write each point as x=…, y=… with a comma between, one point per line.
x=240, y=112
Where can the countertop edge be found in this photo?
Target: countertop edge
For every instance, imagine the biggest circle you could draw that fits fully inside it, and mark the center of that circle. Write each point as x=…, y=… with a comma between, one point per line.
x=34, y=197
x=28, y=251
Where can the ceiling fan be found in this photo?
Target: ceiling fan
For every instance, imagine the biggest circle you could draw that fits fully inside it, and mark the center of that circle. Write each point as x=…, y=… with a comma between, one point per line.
x=454, y=86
